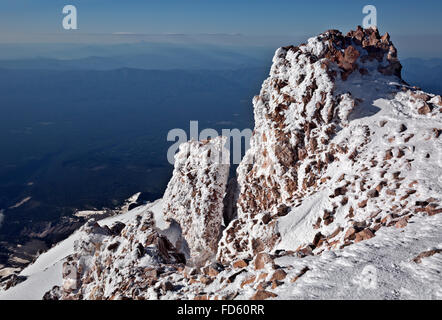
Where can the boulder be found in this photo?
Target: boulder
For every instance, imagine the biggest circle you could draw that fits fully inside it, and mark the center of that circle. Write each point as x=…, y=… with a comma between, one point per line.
x=261, y=260
x=364, y=235
x=278, y=275
x=426, y=254
x=263, y=295
x=240, y=264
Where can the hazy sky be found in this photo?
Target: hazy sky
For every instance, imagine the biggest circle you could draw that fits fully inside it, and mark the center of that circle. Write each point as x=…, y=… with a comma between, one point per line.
x=41, y=20
x=216, y=16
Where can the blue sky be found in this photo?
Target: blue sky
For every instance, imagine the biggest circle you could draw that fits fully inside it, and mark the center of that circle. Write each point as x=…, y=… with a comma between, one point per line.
x=251, y=17
x=416, y=25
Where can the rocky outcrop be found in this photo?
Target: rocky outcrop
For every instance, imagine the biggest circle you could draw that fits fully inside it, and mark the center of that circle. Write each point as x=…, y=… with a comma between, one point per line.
x=137, y=260
x=194, y=195
x=303, y=128
x=118, y=262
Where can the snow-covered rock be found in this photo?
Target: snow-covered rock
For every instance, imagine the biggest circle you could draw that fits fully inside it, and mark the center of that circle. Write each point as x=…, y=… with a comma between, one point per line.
x=194, y=195
x=117, y=261
x=337, y=149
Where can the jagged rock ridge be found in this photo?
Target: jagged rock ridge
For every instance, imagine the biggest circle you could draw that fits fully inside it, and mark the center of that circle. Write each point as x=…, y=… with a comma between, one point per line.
x=303, y=127
x=344, y=172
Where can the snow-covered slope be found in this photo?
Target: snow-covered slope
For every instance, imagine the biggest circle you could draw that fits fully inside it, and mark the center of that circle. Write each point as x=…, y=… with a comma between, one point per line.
x=46, y=271
x=340, y=197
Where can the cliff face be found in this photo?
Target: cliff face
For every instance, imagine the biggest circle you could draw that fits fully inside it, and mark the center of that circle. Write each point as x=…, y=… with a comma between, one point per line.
x=314, y=135
x=194, y=195
x=343, y=179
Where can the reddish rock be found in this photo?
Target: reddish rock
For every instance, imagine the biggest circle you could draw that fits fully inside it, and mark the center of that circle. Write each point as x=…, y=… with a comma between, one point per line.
x=402, y=223
x=302, y=154
x=278, y=275
x=388, y=218
x=340, y=191
x=413, y=183
x=424, y=110
x=362, y=204
x=420, y=96
x=257, y=245
x=304, y=252
x=385, y=38
x=206, y=280
x=263, y=276
x=240, y=264
x=373, y=193
x=249, y=280
x=266, y=218
x=391, y=192
x=396, y=175
x=335, y=233
x=189, y=272
x=263, y=285
x=276, y=283
x=328, y=221
x=364, y=235
x=433, y=211
x=359, y=225
x=388, y=155
x=426, y=254
x=232, y=278
x=261, y=260
x=380, y=186
x=263, y=295
x=300, y=274
x=210, y=271
x=348, y=59
x=351, y=213
x=317, y=225
x=375, y=214
x=350, y=234
x=317, y=238
x=282, y=210
x=407, y=139
x=351, y=54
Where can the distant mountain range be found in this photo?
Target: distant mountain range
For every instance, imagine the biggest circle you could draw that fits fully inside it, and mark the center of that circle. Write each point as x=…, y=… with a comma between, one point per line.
x=426, y=73
x=141, y=56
